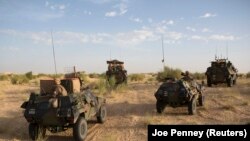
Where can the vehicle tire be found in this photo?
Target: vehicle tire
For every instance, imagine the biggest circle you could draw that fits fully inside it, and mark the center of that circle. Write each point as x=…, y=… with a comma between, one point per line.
x=159, y=106
x=192, y=107
x=201, y=100
x=36, y=132
x=80, y=129
x=230, y=82
x=209, y=84
x=102, y=114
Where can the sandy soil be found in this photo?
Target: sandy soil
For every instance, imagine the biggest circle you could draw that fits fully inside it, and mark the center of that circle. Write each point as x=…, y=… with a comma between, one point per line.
x=130, y=111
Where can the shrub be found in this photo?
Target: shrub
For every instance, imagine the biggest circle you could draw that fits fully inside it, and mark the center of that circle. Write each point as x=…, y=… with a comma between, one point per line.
x=56, y=75
x=199, y=76
x=102, y=86
x=151, y=79
x=137, y=77
x=29, y=75
x=103, y=75
x=4, y=77
x=41, y=75
x=168, y=72
x=121, y=88
x=84, y=77
x=112, y=82
x=93, y=75
x=19, y=79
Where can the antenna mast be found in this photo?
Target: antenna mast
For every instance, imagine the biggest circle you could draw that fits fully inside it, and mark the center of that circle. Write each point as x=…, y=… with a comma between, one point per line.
x=52, y=41
x=109, y=53
x=163, y=58
x=227, y=50
x=216, y=52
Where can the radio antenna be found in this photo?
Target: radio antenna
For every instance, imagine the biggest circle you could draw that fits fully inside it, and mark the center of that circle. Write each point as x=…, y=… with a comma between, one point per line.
x=216, y=52
x=163, y=58
x=54, y=55
x=109, y=53
x=227, y=50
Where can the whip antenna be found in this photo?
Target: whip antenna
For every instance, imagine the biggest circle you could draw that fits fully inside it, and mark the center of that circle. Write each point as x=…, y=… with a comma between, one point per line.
x=163, y=58
x=52, y=41
x=227, y=50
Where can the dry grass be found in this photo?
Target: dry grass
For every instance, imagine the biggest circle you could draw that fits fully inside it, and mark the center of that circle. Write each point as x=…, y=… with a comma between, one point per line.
x=110, y=137
x=148, y=119
x=130, y=110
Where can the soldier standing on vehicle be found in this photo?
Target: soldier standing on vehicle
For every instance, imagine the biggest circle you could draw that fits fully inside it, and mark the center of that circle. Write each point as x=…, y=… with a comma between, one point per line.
x=59, y=90
x=187, y=76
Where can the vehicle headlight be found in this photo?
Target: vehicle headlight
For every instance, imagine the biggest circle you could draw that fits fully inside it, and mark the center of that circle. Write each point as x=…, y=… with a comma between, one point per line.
x=32, y=111
x=165, y=93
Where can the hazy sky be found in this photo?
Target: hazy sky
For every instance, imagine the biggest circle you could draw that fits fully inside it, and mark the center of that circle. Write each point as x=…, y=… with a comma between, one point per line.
x=87, y=33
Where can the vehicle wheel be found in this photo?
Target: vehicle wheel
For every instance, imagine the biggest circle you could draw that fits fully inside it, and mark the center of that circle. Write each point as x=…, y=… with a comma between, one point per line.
x=80, y=129
x=192, y=107
x=102, y=114
x=36, y=132
x=209, y=84
x=201, y=100
x=230, y=82
x=159, y=106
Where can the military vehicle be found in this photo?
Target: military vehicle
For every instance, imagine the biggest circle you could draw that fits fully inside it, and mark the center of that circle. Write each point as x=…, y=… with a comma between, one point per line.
x=56, y=114
x=221, y=71
x=116, y=70
x=178, y=93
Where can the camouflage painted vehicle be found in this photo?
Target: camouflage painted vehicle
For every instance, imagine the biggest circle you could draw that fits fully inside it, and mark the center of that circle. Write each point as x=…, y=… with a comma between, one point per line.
x=221, y=71
x=178, y=93
x=57, y=114
x=116, y=70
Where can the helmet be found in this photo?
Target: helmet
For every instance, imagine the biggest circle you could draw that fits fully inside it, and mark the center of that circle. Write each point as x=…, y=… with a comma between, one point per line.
x=187, y=73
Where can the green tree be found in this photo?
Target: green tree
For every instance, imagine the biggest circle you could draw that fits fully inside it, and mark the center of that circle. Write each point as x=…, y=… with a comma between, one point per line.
x=29, y=75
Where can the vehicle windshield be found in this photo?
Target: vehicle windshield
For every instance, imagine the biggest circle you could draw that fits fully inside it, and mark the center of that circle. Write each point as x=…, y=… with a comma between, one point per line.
x=170, y=86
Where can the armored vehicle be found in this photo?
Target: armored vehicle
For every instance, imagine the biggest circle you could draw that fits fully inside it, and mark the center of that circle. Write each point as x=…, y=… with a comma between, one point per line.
x=116, y=70
x=178, y=93
x=221, y=71
x=46, y=112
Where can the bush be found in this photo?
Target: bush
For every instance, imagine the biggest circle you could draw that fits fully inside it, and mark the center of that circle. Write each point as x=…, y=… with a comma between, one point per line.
x=121, y=88
x=29, y=75
x=102, y=86
x=41, y=75
x=84, y=77
x=93, y=75
x=137, y=77
x=4, y=77
x=168, y=72
x=199, y=76
x=19, y=79
x=56, y=75
x=112, y=82
x=151, y=79
x=103, y=75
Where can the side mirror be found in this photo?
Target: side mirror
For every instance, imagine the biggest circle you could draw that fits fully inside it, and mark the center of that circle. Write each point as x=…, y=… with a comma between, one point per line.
x=24, y=105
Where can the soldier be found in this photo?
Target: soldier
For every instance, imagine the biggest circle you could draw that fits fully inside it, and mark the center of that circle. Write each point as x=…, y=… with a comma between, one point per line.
x=59, y=90
x=93, y=100
x=186, y=76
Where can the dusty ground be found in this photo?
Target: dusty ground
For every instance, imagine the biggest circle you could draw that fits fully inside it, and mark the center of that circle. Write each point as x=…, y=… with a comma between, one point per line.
x=130, y=111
